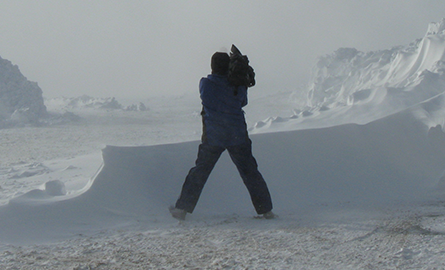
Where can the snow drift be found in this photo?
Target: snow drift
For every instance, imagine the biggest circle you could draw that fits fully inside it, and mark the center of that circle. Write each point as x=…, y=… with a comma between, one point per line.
x=395, y=159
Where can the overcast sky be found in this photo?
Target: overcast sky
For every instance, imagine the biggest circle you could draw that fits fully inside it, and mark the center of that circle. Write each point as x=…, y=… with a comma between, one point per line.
x=107, y=48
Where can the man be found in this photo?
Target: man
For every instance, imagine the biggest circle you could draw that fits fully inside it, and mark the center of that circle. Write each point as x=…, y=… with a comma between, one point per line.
x=224, y=127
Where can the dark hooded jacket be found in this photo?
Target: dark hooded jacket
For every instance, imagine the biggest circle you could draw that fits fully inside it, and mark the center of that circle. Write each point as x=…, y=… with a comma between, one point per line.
x=223, y=118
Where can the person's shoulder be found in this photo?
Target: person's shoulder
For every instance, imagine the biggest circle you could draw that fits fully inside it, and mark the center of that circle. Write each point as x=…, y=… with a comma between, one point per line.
x=211, y=79
x=215, y=81
x=204, y=81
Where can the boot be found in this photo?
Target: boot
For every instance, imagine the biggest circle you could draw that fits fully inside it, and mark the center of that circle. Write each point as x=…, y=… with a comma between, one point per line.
x=269, y=215
x=177, y=213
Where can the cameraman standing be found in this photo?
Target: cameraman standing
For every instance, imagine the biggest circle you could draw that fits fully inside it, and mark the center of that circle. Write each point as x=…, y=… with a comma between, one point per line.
x=224, y=127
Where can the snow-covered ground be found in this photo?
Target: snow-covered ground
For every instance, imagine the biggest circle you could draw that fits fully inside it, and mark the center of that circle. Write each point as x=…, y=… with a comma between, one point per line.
x=356, y=175
x=325, y=222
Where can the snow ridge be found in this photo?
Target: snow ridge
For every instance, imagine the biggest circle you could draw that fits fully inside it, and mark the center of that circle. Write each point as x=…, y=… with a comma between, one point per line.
x=371, y=85
x=348, y=76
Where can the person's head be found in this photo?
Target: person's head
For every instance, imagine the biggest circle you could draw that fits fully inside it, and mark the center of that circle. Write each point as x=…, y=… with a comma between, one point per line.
x=220, y=63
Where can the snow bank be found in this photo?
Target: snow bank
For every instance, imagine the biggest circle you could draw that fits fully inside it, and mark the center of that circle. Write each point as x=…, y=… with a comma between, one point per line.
x=394, y=159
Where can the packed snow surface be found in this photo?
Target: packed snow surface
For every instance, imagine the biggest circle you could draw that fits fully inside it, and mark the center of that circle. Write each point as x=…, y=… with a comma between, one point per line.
x=356, y=175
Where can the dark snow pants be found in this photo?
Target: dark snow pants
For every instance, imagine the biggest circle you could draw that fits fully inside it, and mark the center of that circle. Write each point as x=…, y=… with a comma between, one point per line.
x=246, y=164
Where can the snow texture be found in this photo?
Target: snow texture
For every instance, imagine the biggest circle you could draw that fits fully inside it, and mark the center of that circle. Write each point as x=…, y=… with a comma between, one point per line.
x=356, y=176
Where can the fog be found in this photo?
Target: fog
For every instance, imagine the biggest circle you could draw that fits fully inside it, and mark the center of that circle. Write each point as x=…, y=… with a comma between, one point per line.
x=154, y=48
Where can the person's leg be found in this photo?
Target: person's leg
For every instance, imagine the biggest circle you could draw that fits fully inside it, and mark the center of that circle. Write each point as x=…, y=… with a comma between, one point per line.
x=208, y=155
x=247, y=166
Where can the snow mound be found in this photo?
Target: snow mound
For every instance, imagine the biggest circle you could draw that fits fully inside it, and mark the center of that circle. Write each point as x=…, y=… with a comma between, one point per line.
x=21, y=101
x=52, y=188
x=349, y=86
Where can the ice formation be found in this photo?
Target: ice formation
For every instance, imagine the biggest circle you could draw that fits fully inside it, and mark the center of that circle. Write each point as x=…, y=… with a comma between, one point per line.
x=348, y=76
x=21, y=101
x=89, y=102
x=360, y=87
